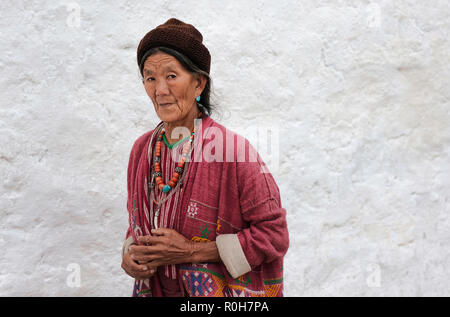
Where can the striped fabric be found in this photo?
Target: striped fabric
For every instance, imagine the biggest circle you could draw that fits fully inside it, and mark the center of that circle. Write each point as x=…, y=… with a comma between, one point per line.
x=170, y=208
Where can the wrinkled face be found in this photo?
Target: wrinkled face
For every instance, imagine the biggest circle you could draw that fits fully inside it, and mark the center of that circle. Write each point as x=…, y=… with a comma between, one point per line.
x=170, y=86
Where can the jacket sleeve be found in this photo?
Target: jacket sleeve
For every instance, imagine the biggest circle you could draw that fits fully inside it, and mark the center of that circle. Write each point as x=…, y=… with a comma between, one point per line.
x=266, y=237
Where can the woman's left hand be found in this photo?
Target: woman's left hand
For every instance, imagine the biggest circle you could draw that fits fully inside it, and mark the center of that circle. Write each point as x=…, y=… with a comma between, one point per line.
x=166, y=246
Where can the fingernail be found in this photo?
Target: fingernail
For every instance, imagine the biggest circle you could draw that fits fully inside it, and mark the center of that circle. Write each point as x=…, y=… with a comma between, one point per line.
x=144, y=268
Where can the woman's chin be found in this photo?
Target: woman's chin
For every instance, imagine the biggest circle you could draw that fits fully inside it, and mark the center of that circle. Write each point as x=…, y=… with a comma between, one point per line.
x=167, y=116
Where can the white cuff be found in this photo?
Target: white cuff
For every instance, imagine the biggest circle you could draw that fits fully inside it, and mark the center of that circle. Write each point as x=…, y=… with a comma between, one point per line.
x=232, y=255
x=126, y=245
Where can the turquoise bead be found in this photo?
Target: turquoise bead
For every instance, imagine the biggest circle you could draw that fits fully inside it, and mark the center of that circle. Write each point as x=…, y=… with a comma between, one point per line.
x=166, y=188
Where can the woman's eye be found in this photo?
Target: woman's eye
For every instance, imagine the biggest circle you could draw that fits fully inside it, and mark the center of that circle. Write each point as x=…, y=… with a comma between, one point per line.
x=152, y=78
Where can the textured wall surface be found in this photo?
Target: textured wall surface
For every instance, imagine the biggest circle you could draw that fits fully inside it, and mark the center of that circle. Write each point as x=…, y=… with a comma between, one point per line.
x=357, y=90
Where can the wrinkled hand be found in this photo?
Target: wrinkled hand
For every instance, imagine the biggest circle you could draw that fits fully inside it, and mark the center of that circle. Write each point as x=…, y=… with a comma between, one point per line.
x=166, y=246
x=138, y=270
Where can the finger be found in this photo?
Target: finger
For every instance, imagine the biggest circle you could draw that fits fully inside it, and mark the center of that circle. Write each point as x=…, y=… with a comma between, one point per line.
x=149, y=239
x=143, y=250
x=144, y=259
x=142, y=240
x=125, y=268
x=128, y=270
x=132, y=266
x=143, y=275
x=161, y=231
x=138, y=250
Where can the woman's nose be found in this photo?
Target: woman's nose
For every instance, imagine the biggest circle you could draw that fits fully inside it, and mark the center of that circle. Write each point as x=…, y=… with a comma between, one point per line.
x=161, y=88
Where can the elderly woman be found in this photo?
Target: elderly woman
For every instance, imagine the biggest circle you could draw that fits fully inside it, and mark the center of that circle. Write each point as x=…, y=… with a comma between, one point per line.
x=205, y=219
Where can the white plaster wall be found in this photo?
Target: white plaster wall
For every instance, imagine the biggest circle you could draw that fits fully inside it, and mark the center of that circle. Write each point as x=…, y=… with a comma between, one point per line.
x=359, y=93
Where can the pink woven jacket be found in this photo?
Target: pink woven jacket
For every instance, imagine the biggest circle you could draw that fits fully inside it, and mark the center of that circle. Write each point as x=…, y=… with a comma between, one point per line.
x=226, y=200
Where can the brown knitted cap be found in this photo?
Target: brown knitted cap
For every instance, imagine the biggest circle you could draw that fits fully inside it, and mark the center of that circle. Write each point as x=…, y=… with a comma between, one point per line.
x=180, y=36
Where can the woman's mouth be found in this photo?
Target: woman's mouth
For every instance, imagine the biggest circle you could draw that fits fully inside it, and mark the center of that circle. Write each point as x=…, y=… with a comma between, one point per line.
x=165, y=104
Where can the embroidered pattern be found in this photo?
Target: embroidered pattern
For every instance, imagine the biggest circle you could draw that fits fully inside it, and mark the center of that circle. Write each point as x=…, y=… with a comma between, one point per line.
x=199, y=284
x=272, y=290
x=273, y=281
x=134, y=217
x=201, y=281
x=142, y=288
x=198, y=239
x=205, y=231
x=218, y=225
x=241, y=281
x=192, y=210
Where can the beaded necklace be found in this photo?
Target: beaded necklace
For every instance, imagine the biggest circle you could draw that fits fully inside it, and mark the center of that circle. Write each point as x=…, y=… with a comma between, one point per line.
x=178, y=169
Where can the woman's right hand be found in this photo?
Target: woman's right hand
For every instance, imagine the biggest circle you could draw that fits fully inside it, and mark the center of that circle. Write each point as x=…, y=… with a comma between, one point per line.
x=136, y=270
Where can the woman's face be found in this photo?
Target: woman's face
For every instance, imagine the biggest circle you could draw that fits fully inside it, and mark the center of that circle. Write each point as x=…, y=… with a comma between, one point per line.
x=171, y=87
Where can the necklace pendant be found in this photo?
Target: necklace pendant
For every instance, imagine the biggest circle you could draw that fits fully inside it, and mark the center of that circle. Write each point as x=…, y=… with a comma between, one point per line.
x=156, y=218
x=166, y=188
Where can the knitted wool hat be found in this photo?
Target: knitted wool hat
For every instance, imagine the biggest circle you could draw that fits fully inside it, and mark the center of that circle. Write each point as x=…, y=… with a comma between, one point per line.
x=180, y=36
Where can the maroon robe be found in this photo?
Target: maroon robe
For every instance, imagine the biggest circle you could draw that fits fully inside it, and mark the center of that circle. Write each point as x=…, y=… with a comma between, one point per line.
x=226, y=196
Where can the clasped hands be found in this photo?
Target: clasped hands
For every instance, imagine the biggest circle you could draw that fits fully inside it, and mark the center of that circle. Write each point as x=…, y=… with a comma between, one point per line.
x=165, y=246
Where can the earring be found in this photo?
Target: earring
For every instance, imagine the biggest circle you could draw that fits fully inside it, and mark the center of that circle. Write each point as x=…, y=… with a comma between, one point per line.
x=198, y=98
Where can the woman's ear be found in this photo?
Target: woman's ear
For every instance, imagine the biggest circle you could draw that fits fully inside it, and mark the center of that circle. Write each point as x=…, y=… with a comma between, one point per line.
x=201, y=83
